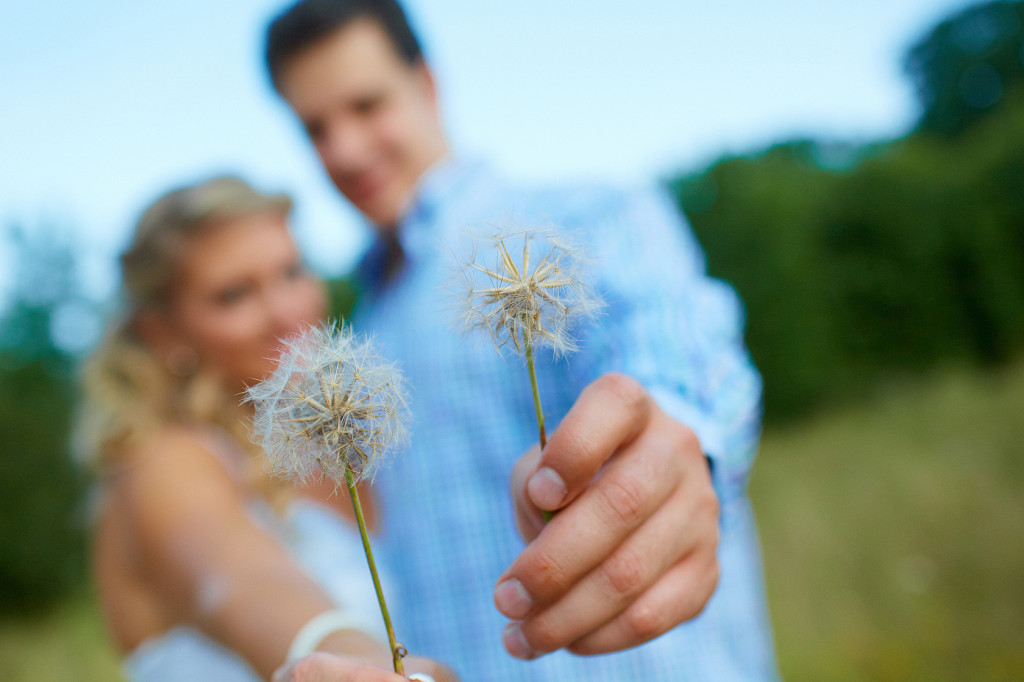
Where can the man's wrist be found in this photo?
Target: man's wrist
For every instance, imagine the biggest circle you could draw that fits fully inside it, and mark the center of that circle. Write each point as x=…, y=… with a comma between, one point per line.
x=708, y=435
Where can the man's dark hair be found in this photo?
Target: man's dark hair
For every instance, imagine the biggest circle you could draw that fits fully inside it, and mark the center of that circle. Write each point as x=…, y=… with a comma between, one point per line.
x=309, y=21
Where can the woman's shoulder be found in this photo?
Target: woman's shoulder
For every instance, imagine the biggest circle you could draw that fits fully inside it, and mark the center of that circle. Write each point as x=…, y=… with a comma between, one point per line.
x=166, y=487
x=176, y=466
x=176, y=507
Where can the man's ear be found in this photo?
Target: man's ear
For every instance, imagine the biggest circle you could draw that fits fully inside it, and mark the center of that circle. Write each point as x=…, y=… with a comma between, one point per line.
x=426, y=79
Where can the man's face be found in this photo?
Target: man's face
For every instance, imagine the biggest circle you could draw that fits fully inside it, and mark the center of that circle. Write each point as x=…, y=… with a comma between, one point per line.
x=372, y=117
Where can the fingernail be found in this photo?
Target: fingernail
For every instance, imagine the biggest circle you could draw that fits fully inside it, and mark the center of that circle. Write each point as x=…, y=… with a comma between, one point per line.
x=515, y=643
x=512, y=599
x=546, y=489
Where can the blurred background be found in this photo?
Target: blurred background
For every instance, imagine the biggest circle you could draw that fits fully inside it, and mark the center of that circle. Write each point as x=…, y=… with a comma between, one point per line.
x=855, y=170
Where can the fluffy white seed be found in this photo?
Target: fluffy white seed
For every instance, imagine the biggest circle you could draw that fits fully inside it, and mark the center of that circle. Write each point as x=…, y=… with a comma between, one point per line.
x=332, y=404
x=527, y=286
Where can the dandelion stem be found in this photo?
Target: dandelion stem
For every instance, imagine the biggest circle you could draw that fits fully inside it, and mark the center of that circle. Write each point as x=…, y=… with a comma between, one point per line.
x=528, y=348
x=536, y=394
x=397, y=650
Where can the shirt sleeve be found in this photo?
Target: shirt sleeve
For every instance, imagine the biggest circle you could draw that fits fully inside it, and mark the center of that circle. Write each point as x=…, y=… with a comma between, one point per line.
x=670, y=326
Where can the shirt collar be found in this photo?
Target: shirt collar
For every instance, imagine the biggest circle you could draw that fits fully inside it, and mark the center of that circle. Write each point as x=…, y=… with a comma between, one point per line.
x=436, y=187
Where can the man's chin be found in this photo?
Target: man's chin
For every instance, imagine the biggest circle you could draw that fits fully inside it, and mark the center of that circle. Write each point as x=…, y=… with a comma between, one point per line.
x=382, y=205
x=382, y=214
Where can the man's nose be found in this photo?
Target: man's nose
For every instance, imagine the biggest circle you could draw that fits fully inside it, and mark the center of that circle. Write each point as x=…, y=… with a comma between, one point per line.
x=345, y=148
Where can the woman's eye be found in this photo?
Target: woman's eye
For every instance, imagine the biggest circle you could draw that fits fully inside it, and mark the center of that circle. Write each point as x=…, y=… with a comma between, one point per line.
x=231, y=295
x=295, y=271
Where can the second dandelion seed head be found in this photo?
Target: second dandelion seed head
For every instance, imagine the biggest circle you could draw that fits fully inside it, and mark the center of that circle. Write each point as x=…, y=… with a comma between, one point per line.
x=527, y=288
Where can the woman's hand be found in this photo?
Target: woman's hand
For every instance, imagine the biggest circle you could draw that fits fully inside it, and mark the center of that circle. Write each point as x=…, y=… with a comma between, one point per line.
x=323, y=667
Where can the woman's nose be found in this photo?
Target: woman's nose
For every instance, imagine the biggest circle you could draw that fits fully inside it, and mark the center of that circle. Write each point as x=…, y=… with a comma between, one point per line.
x=285, y=310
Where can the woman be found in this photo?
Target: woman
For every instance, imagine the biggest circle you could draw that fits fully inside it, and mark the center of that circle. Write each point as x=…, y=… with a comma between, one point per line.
x=206, y=568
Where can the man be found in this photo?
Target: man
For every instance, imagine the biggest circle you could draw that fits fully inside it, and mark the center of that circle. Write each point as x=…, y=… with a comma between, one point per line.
x=659, y=411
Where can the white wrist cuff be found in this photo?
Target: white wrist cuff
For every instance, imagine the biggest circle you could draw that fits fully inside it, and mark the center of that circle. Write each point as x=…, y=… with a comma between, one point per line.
x=316, y=630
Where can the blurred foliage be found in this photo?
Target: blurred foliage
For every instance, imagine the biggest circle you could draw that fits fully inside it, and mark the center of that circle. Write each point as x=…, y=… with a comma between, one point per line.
x=854, y=261
x=341, y=297
x=756, y=218
x=42, y=534
x=968, y=65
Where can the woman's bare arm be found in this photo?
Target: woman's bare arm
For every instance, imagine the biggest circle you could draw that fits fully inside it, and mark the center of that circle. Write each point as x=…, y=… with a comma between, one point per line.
x=211, y=565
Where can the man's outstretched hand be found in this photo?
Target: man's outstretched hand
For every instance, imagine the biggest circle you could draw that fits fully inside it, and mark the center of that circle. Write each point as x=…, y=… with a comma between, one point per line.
x=631, y=551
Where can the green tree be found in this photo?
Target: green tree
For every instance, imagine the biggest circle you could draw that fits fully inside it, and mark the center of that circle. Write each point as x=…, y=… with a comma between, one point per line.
x=42, y=520
x=965, y=67
x=859, y=262
x=759, y=220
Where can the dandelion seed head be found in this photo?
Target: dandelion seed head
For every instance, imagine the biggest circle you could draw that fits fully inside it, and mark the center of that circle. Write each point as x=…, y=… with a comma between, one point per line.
x=332, y=404
x=527, y=287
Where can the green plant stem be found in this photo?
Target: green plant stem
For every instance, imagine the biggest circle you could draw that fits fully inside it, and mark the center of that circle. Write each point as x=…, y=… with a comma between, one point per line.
x=397, y=650
x=528, y=347
x=536, y=393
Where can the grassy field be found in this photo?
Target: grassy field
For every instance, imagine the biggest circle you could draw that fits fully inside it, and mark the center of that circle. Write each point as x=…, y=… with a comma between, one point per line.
x=67, y=645
x=893, y=537
x=893, y=534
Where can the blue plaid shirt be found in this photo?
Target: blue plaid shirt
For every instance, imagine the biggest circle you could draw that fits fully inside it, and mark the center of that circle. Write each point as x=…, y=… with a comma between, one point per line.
x=448, y=528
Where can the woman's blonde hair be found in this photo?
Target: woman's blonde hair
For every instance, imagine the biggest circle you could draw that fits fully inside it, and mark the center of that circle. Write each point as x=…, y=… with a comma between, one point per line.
x=130, y=393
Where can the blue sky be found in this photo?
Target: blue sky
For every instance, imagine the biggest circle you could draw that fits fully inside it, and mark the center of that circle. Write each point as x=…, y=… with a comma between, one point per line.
x=104, y=104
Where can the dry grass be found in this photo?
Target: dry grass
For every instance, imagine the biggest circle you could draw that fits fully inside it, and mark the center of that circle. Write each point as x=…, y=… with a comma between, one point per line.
x=894, y=534
x=67, y=644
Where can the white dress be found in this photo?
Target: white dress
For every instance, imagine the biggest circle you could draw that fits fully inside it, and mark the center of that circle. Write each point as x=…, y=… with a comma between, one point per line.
x=324, y=544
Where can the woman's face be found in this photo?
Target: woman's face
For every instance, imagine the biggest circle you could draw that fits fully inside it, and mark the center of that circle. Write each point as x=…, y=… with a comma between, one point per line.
x=242, y=286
